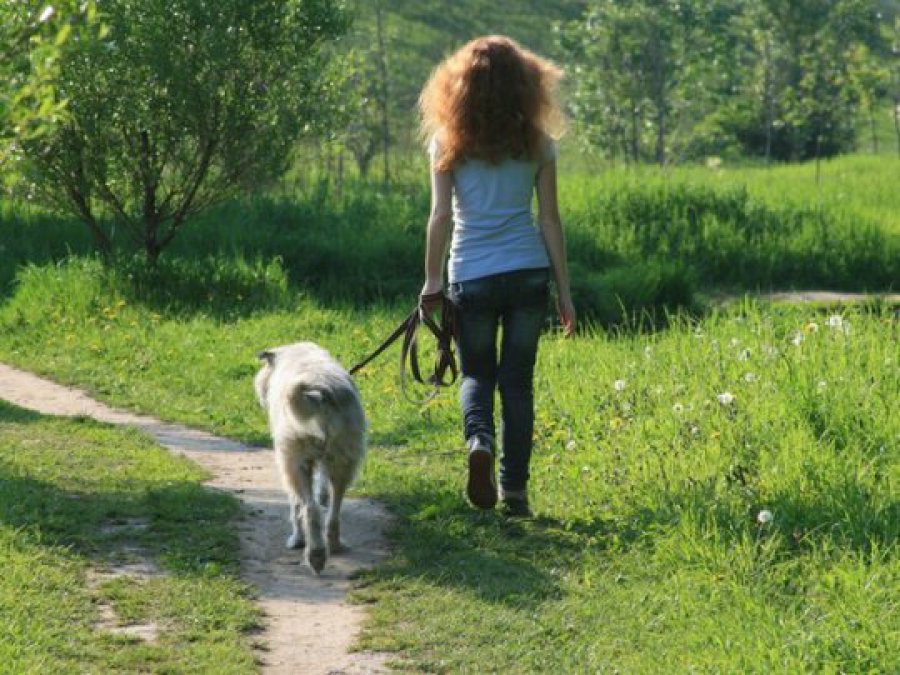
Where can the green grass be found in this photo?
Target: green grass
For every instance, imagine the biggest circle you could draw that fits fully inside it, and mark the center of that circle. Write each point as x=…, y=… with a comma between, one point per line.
x=647, y=554
x=76, y=496
x=641, y=241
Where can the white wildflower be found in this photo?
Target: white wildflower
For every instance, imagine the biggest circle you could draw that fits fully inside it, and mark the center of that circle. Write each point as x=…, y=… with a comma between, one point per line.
x=619, y=385
x=764, y=516
x=797, y=339
x=725, y=398
x=571, y=445
x=835, y=321
x=47, y=14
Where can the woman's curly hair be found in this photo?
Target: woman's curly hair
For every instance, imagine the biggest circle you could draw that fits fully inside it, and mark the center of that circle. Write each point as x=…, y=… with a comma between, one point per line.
x=491, y=100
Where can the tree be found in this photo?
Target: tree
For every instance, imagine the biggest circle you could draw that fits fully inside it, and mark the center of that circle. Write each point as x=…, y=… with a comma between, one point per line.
x=31, y=39
x=819, y=101
x=895, y=80
x=185, y=103
x=870, y=80
x=638, y=65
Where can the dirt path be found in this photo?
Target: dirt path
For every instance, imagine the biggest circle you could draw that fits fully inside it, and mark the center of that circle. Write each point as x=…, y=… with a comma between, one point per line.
x=308, y=624
x=812, y=297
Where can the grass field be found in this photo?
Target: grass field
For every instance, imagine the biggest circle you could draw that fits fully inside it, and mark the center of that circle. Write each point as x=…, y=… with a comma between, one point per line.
x=647, y=552
x=656, y=450
x=78, y=498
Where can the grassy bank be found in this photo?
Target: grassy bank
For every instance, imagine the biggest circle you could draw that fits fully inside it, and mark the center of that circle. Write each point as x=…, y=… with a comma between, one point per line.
x=641, y=241
x=82, y=506
x=655, y=455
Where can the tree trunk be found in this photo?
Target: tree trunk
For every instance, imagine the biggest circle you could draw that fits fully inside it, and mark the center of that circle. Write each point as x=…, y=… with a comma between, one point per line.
x=635, y=134
x=897, y=122
x=383, y=103
x=872, y=128
x=661, y=135
x=768, y=99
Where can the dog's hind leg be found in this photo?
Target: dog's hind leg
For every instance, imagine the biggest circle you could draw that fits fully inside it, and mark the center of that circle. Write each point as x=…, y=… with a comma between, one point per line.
x=287, y=466
x=340, y=476
x=297, y=472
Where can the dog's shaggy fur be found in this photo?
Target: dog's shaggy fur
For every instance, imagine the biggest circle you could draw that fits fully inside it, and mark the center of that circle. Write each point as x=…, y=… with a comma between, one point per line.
x=318, y=427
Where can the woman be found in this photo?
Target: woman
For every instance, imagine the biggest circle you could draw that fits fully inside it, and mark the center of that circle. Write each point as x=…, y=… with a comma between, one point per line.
x=489, y=113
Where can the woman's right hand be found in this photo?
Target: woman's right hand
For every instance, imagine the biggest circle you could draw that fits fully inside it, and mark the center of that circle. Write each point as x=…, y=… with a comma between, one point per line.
x=431, y=297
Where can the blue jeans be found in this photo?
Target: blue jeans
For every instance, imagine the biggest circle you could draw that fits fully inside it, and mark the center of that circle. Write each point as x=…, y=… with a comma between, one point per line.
x=517, y=301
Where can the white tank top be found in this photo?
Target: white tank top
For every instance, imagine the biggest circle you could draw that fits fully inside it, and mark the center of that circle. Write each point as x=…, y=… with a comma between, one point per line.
x=494, y=228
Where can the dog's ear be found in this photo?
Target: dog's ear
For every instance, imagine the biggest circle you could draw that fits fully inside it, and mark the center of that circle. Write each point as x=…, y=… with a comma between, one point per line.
x=267, y=355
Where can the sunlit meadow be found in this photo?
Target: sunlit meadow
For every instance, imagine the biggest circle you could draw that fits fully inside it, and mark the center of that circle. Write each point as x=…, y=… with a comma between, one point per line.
x=719, y=495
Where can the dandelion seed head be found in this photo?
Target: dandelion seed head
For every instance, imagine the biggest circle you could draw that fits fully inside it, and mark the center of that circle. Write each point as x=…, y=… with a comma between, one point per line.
x=619, y=385
x=725, y=398
x=764, y=516
x=835, y=321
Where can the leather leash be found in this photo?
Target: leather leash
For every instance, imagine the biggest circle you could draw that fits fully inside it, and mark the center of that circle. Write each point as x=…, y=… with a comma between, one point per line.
x=445, y=369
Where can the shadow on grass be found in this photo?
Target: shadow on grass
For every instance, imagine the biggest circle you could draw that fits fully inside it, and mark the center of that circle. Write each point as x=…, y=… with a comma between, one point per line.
x=440, y=540
x=65, y=512
x=841, y=515
x=80, y=521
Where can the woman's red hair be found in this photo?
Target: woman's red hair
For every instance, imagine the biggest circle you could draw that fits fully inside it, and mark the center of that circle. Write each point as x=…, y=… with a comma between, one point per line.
x=492, y=99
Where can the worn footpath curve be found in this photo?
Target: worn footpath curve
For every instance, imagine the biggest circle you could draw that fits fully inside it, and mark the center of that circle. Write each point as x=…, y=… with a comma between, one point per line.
x=308, y=624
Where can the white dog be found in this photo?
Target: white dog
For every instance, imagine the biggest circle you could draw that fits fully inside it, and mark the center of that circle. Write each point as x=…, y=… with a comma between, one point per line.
x=318, y=427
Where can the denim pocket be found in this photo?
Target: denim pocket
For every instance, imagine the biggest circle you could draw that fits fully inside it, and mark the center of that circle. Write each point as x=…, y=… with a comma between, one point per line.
x=473, y=292
x=531, y=287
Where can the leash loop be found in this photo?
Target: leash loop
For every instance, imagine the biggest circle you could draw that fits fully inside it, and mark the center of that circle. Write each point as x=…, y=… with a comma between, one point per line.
x=445, y=369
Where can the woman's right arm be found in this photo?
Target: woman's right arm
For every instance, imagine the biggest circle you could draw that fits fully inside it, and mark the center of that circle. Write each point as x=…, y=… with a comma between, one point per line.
x=551, y=227
x=438, y=230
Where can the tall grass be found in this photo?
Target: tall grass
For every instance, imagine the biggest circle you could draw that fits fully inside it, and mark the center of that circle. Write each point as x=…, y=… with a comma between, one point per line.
x=640, y=241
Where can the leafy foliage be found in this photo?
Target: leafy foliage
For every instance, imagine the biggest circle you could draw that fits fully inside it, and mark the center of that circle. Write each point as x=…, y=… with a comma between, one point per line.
x=183, y=104
x=781, y=79
x=32, y=36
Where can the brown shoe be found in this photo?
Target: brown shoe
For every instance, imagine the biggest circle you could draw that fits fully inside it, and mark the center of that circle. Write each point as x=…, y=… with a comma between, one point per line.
x=482, y=486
